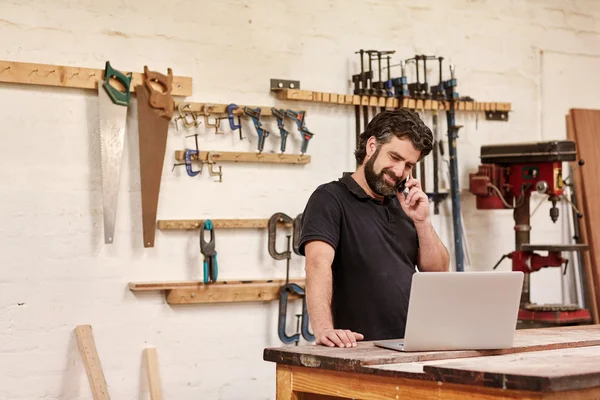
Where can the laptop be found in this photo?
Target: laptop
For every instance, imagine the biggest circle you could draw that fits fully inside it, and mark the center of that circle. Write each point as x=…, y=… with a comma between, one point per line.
x=461, y=311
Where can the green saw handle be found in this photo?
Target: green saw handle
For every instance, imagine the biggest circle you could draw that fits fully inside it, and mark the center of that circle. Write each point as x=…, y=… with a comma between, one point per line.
x=116, y=95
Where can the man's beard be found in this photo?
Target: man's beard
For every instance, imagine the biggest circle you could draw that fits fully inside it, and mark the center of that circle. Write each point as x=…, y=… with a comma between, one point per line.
x=377, y=182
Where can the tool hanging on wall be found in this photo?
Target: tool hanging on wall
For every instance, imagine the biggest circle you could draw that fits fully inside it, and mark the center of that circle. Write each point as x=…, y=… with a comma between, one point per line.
x=297, y=226
x=262, y=133
x=211, y=267
x=211, y=163
x=288, y=287
x=299, y=117
x=207, y=113
x=230, y=109
x=436, y=196
x=112, y=116
x=279, y=116
x=363, y=78
x=155, y=109
x=188, y=154
x=379, y=87
x=452, y=96
x=183, y=109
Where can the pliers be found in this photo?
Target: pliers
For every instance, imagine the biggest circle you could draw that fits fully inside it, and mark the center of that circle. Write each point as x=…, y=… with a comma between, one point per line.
x=211, y=268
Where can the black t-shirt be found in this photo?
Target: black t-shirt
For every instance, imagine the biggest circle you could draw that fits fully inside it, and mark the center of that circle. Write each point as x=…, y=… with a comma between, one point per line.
x=376, y=248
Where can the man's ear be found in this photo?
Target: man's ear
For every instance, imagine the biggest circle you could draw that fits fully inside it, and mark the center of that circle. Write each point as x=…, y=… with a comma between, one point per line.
x=371, y=146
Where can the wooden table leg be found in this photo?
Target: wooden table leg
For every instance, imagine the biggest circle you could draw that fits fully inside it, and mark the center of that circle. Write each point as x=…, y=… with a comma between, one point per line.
x=285, y=387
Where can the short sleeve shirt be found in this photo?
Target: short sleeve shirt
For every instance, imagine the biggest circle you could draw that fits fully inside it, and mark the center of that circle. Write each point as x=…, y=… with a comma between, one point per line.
x=376, y=248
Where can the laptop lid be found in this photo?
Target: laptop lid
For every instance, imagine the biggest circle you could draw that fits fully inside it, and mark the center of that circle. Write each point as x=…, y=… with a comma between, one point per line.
x=463, y=310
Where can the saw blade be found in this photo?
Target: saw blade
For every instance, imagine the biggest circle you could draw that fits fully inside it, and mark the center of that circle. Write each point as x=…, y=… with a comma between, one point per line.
x=155, y=110
x=112, y=115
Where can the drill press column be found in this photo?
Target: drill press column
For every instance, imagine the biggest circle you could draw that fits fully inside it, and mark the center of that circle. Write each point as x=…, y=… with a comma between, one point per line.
x=522, y=230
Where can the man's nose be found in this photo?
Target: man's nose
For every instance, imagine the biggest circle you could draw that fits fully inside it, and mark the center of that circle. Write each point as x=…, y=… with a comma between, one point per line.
x=399, y=170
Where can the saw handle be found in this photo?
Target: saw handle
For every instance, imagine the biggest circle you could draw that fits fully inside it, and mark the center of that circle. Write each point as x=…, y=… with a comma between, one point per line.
x=118, y=97
x=160, y=100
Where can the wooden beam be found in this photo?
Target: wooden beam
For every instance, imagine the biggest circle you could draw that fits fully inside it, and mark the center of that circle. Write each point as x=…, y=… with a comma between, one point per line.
x=246, y=292
x=191, y=224
x=246, y=157
x=91, y=361
x=197, y=285
x=153, y=374
x=75, y=77
x=388, y=102
x=213, y=108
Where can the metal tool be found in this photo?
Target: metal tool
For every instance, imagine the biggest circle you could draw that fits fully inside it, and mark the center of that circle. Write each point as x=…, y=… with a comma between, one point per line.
x=400, y=84
x=300, y=119
x=211, y=267
x=112, y=115
x=254, y=113
x=279, y=116
x=230, y=109
x=155, y=109
x=272, y=228
x=188, y=159
x=181, y=109
x=509, y=174
x=297, y=227
x=207, y=112
x=211, y=163
x=364, y=90
x=436, y=196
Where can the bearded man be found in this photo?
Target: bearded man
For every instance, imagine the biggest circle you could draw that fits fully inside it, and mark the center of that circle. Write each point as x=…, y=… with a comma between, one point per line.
x=363, y=239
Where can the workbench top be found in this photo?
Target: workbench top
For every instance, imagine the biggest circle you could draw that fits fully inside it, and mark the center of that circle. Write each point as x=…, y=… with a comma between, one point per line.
x=545, y=359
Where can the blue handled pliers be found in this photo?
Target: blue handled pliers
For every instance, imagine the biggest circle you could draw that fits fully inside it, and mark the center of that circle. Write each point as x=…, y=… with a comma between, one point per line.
x=211, y=268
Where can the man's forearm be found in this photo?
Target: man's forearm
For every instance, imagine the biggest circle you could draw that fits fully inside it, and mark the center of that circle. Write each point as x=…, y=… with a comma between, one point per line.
x=318, y=295
x=433, y=255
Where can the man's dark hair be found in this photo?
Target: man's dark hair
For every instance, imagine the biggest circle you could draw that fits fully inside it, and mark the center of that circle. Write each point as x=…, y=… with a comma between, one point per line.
x=401, y=123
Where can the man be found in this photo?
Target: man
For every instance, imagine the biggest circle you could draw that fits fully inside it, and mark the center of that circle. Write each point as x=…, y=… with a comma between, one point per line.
x=363, y=239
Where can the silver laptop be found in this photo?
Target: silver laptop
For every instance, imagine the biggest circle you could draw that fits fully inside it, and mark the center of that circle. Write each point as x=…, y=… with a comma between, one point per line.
x=460, y=311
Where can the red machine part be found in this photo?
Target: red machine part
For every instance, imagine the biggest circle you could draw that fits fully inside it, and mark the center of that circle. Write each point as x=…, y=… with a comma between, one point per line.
x=528, y=262
x=512, y=180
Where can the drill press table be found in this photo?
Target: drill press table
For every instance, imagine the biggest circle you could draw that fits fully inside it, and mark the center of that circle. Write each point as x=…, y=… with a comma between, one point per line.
x=548, y=363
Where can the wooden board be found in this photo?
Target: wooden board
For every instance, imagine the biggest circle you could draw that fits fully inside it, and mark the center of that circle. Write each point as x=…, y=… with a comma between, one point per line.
x=247, y=292
x=196, y=285
x=551, y=370
x=353, y=359
x=91, y=361
x=245, y=157
x=343, y=99
x=154, y=384
x=586, y=125
x=587, y=272
x=76, y=77
x=212, y=108
x=191, y=224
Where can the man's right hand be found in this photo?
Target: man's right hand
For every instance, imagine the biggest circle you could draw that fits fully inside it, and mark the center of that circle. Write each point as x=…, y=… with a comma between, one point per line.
x=338, y=337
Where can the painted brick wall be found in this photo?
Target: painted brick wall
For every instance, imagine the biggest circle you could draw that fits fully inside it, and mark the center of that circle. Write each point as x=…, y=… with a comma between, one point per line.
x=56, y=272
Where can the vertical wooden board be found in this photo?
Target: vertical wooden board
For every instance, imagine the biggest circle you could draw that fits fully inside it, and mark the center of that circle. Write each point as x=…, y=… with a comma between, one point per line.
x=364, y=100
x=341, y=99
x=469, y=106
x=91, y=361
x=317, y=96
x=283, y=383
x=326, y=97
x=153, y=374
x=373, y=101
x=333, y=97
x=588, y=275
x=428, y=104
x=586, y=125
x=356, y=100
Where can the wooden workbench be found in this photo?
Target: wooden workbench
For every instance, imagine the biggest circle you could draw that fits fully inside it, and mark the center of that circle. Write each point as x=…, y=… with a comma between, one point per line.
x=555, y=363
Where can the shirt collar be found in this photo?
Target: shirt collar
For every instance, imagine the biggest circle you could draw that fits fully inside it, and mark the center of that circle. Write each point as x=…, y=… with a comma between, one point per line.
x=358, y=191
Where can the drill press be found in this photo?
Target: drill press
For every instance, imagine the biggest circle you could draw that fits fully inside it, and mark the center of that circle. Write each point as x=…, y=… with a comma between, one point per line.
x=507, y=176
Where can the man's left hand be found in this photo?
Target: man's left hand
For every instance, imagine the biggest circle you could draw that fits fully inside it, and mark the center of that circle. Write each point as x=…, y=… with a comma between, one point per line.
x=416, y=203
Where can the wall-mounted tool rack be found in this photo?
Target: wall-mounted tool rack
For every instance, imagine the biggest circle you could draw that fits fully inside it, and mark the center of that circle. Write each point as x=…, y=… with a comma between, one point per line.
x=221, y=108
x=74, y=77
x=388, y=102
x=191, y=224
x=245, y=157
x=193, y=292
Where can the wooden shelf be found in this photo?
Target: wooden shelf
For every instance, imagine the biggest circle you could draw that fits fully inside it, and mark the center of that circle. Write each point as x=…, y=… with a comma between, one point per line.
x=194, y=292
x=191, y=224
x=75, y=77
x=220, y=108
x=246, y=157
x=387, y=102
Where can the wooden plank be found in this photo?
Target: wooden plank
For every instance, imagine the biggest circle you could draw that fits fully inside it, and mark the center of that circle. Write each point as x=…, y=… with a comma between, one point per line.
x=196, y=285
x=91, y=361
x=153, y=374
x=552, y=370
x=586, y=125
x=383, y=101
x=246, y=157
x=76, y=77
x=212, y=108
x=366, y=353
x=372, y=387
x=231, y=293
x=191, y=224
x=588, y=274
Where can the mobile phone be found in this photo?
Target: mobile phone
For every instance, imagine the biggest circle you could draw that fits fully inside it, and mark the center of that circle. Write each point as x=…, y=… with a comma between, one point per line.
x=402, y=185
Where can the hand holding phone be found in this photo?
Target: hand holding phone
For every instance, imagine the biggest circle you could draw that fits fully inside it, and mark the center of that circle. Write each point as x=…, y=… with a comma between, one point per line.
x=401, y=187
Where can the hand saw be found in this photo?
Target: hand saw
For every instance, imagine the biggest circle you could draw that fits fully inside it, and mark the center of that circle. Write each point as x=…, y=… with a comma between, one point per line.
x=112, y=115
x=155, y=109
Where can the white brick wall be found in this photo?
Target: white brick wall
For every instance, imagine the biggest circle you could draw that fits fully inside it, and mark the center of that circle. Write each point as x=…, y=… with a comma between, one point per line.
x=56, y=272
